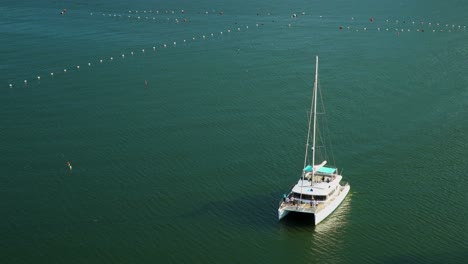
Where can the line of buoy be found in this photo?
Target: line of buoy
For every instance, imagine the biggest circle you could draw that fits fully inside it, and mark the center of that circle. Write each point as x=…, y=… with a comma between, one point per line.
x=101, y=61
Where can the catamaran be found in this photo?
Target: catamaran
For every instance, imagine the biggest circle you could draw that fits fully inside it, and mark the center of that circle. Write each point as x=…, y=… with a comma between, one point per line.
x=319, y=190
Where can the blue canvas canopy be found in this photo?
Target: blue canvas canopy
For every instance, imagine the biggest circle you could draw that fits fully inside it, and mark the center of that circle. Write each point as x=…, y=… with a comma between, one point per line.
x=326, y=170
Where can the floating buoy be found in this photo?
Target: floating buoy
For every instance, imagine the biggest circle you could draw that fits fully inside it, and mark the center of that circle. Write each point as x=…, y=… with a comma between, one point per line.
x=111, y=58
x=38, y=77
x=143, y=50
x=89, y=63
x=25, y=81
x=11, y=85
x=165, y=45
x=64, y=70
x=131, y=52
x=154, y=48
x=78, y=66
x=175, y=43
x=123, y=55
x=100, y=61
x=229, y=30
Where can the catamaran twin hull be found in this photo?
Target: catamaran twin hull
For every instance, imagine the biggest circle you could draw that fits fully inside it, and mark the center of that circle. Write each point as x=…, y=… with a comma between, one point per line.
x=319, y=210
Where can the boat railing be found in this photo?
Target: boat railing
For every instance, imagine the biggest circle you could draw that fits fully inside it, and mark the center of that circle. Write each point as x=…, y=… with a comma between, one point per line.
x=288, y=202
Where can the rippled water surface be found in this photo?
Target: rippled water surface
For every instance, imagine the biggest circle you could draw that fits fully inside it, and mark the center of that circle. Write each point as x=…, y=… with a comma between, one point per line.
x=181, y=152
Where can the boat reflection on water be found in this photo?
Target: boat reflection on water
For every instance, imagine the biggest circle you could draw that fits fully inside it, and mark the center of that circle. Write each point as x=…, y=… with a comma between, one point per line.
x=318, y=240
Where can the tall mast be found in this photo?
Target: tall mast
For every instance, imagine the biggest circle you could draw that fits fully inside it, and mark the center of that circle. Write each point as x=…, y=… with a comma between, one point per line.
x=315, y=116
x=313, y=109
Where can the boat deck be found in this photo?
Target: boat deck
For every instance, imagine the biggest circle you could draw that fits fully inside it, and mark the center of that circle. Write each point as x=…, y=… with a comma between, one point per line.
x=306, y=207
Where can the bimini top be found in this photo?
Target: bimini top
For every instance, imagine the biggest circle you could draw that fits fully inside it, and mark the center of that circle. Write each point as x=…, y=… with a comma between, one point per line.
x=326, y=170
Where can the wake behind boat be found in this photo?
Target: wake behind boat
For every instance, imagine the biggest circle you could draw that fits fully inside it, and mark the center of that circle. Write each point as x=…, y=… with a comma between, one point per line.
x=319, y=190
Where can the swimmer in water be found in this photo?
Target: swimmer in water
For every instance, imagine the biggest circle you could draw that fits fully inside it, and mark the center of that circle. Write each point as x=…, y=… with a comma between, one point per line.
x=69, y=165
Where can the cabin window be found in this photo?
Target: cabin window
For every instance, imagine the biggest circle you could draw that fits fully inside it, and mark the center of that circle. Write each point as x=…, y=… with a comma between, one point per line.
x=320, y=197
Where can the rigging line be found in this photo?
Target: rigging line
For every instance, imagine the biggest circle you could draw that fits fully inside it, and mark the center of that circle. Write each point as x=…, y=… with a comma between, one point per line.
x=327, y=130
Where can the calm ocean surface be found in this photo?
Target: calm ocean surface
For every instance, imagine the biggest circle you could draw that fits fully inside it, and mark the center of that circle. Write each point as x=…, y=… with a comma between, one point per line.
x=180, y=155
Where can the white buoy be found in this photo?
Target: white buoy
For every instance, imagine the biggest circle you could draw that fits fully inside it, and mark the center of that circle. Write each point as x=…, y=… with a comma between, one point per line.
x=100, y=61
x=154, y=48
x=123, y=55
x=238, y=29
x=184, y=40
x=131, y=52
x=193, y=38
x=89, y=63
x=175, y=43
x=25, y=82
x=78, y=66
x=256, y=24
x=111, y=58
x=378, y=29
x=221, y=32
x=38, y=77
x=203, y=36
x=365, y=29
x=229, y=31
x=165, y=45
x=11, y=85
x=138, y=17
x=143, y=50
x=246, y=26
x=212, y=34
x=154, y=18
x=64, y=70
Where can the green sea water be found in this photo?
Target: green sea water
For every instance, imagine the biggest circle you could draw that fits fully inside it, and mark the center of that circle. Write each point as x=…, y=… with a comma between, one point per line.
x=181, y=153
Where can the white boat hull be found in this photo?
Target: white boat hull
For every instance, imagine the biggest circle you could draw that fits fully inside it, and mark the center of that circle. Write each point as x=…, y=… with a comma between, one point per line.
x=322, y=214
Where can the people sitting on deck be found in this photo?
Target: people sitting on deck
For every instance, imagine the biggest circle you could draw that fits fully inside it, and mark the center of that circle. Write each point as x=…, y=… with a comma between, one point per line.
x=293, y=201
